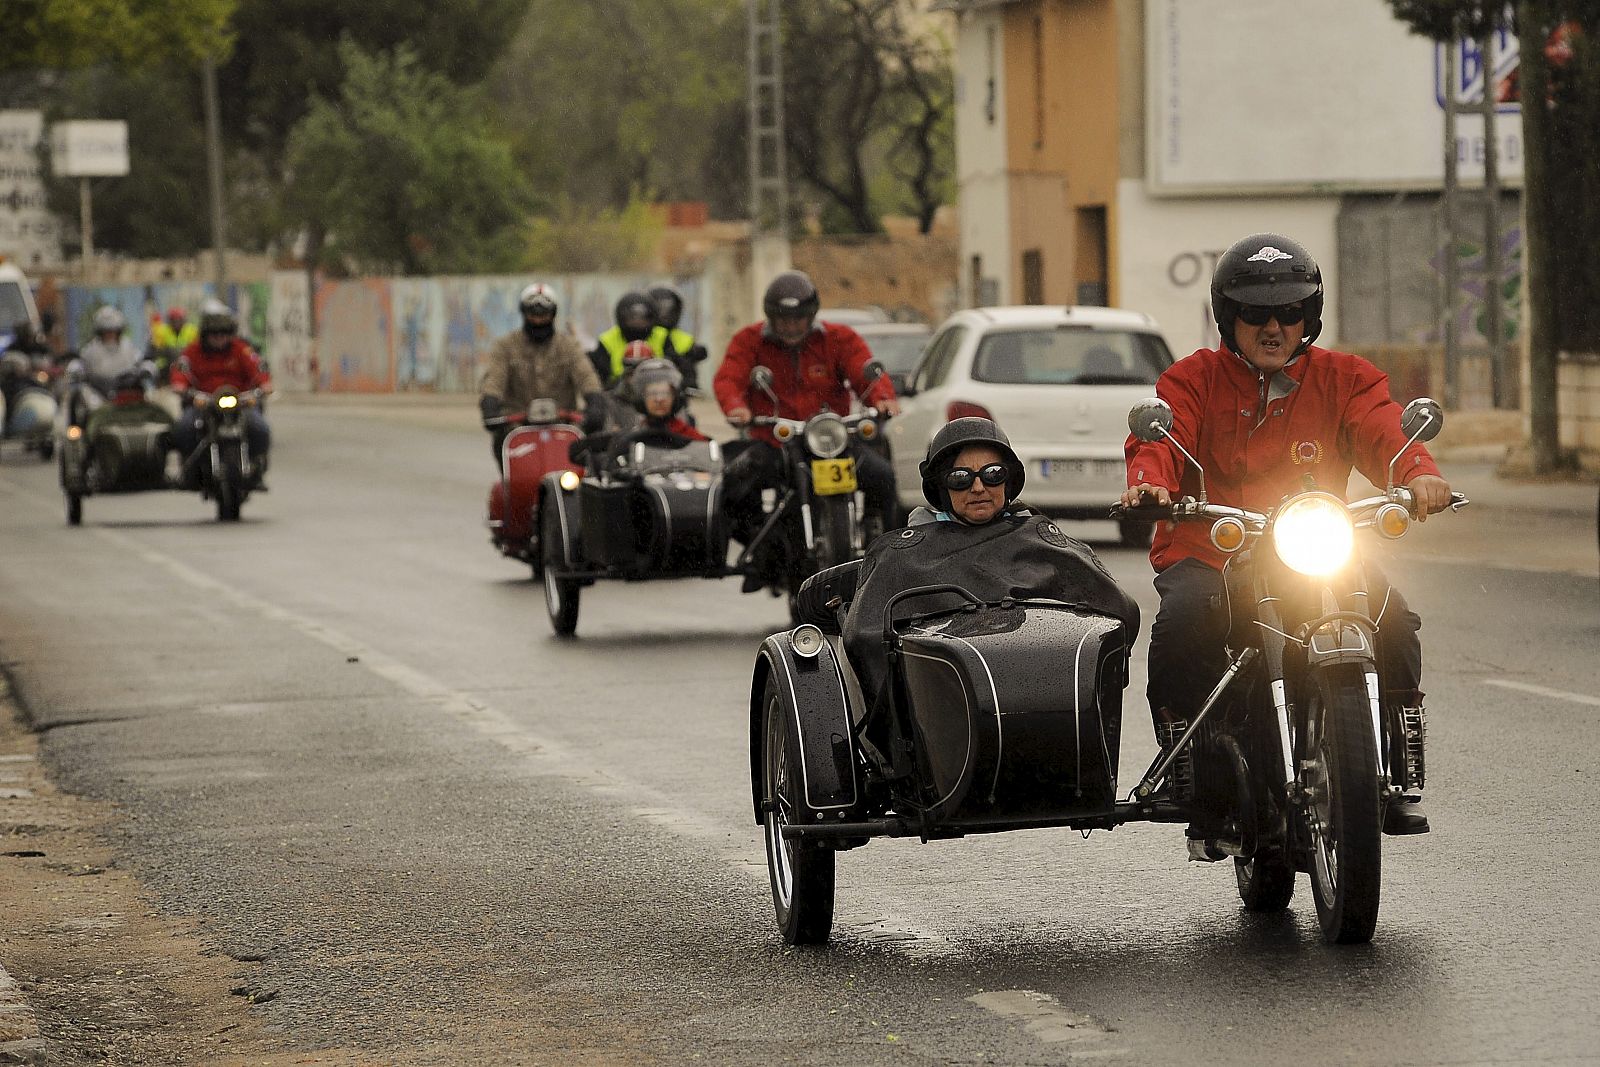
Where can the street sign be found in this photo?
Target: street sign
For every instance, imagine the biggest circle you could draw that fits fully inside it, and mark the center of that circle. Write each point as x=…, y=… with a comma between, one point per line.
x=89, y=149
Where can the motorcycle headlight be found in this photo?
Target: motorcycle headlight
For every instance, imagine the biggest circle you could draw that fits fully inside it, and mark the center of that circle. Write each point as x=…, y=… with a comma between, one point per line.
x=227, y=401
x=1314, y=535
x=826, y=436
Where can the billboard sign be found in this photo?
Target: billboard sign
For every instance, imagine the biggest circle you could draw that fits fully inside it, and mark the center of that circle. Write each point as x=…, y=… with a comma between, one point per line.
x=89, y=149
x=1300, y=96
x=30, y=236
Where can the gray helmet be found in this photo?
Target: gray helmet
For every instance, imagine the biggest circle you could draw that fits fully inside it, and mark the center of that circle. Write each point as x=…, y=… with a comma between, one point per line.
x=109, y=320
x=1267, y=269
x=655, y=372
x=948, y=443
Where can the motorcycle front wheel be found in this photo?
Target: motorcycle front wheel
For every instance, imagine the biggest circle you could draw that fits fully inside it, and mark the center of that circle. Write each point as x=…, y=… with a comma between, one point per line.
x=561, y=595
x=801, y=872
x=230, y=484
x=1344, y=816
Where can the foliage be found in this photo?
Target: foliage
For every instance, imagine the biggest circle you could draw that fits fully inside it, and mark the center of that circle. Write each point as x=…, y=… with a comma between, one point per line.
x=404, y=172
x=577, y=238
x=79, y=33
x=617, y=95
x=1447, y=20
x=864, y=90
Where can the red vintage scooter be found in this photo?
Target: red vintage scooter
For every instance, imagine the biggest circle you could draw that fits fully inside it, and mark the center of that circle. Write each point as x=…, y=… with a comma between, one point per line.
x=537, y=447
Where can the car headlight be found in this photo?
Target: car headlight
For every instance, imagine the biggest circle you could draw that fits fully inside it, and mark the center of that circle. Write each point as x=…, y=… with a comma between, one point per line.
x=826, y=435
x=1314, y=535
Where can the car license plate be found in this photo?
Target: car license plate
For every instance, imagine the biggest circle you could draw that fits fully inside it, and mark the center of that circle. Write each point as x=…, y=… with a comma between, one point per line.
x=830, y=477
x=1098, y=469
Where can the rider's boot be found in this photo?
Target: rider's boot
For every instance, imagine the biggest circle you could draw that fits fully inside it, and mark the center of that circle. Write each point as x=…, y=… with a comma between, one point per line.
x=1404, y=814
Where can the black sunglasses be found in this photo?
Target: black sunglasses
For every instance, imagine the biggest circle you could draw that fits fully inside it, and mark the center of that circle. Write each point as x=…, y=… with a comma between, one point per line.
x=1286, y=314
x=961, y=477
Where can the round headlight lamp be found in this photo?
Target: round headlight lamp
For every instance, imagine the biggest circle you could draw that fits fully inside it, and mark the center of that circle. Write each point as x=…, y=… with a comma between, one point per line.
x=807, y=640
x=1314, y=535
x=826, y=435
x=570, y=480
x=866, y=429
x=1391, y=520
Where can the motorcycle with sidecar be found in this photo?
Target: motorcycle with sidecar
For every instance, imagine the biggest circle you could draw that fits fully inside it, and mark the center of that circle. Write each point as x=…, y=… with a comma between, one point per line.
x=122, y=444
x=538, y=446
x=1007, y=715
x=27, y=405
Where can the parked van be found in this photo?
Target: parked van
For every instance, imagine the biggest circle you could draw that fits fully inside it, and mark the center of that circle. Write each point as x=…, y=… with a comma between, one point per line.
x=16, y=303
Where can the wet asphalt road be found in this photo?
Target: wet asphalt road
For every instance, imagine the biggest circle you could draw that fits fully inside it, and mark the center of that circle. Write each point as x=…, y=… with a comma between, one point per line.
x=345, y=740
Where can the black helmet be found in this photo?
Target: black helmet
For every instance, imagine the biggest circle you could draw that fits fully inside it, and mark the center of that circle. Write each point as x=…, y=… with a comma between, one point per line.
x=636, y=316
x=950, y=440
x=655, y=372
x=791, y=293
x=1267, y=269
x=669, y=305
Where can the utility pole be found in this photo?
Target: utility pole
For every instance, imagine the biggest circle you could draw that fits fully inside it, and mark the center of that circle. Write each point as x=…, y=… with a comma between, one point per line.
x=769, y=181
x=1493, y=274
x=219, y=221
x=1452, y=272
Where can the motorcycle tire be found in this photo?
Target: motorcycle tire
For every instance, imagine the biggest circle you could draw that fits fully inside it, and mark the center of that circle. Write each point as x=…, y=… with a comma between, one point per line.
x=1344, y=821
x=801, y=872
x=1265, y=880
x=561, y=595
x=74, y=509
x=230, y=485
x=836, y=530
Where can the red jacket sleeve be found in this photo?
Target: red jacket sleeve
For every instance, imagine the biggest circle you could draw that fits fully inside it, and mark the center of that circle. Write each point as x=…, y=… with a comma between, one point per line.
x=732, y=381
x=1371, y=427
x=1158, y=462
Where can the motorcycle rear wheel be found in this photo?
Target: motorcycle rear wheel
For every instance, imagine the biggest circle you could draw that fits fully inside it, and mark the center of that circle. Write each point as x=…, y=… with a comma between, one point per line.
x=801, y=872
x=561, y=595
x=1344, y=819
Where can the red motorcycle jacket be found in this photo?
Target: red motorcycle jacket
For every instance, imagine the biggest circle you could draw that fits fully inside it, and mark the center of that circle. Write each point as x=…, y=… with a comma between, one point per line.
x=1258, y=437
x=237, y=365
x=832, y=361
x=680, y=426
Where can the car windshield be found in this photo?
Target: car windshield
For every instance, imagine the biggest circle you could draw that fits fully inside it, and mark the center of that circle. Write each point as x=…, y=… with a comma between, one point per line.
x=1071, y=356
x=897, y=352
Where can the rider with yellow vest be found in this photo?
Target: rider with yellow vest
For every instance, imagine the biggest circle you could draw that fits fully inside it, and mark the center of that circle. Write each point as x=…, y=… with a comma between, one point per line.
x=636, y=321
x=680, y=345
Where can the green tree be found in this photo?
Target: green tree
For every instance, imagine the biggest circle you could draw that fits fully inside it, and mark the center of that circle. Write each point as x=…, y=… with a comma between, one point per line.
x=58, y=34
x=866, y=93
x=403, y=172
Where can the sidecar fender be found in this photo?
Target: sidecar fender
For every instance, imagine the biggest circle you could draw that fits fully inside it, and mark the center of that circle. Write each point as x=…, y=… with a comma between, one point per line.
x=816, y=714
x=568, y=513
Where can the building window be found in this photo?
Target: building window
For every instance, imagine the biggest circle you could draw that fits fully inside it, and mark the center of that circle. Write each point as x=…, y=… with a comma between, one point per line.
x=1033, y=276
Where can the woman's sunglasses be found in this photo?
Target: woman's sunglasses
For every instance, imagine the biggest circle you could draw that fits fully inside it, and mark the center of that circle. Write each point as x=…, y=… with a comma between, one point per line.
x=961, y=477
x=1286, y=314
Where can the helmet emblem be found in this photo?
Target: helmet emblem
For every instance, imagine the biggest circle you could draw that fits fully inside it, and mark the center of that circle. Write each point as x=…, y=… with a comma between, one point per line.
x=1268, y=254
x=1306, y=452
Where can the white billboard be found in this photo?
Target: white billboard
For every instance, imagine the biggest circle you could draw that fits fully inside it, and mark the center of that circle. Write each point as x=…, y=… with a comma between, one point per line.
x=30, y=236
x=96, y=148
x=1311, y=96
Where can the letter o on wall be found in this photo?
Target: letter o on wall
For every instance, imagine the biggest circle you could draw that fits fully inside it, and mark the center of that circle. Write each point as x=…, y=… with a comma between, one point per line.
x=1184, y=270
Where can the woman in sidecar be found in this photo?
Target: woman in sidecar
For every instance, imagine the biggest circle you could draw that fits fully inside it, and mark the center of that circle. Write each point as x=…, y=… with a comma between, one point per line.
x=646, y=505
x=966, y=676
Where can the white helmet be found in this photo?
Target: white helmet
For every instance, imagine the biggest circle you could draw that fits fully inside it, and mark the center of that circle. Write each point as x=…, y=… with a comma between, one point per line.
x=538, y=299
x=108, y=320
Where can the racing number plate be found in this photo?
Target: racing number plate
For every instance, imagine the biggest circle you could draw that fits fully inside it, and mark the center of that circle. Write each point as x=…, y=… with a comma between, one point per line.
x=830, y=477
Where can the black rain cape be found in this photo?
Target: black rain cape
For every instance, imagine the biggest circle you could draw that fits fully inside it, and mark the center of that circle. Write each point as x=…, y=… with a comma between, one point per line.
x=1019, y=555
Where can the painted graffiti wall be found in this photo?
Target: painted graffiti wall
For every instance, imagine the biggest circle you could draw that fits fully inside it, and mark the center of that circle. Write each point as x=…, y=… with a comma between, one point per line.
x=143, y=304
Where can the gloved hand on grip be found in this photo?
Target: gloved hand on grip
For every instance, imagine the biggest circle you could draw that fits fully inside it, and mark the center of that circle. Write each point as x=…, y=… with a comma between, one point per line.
x=594, y=412
x=490, y=408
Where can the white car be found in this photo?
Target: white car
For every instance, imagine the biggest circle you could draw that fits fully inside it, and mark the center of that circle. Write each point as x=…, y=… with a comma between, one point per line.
x=1058, y=380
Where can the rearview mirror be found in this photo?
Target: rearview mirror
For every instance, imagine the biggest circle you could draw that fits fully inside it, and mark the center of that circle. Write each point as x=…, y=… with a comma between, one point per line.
x=1150, y=420
x=1422, y=419
x=873, y=371
x=761, y=377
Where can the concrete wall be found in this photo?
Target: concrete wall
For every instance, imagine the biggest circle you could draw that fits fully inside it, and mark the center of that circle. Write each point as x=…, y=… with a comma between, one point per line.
x=1578, y=381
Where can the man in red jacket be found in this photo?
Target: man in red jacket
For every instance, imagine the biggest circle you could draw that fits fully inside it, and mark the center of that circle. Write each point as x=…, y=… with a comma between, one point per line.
x=219, y=357
x=815, y=365
x=1260, y=414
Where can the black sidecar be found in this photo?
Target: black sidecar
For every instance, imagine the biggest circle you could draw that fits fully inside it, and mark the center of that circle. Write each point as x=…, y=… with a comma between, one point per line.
x=648, y=506
x=995, y=716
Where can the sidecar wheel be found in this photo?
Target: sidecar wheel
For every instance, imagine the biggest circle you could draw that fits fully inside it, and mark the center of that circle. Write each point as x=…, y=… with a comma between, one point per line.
x=560, y=594
x=1266, y=881
x=1344, y=819
x=801, y=872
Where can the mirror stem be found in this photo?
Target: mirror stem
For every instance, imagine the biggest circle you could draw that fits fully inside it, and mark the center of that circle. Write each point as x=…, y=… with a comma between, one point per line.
x=1201, y=471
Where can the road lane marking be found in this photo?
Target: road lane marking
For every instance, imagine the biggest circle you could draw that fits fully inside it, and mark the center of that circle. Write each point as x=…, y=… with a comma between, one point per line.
x=1543, y=691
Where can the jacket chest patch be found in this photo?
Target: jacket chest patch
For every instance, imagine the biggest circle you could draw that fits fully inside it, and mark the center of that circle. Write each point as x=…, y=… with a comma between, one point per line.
x=1305, y=453
x=817, y=372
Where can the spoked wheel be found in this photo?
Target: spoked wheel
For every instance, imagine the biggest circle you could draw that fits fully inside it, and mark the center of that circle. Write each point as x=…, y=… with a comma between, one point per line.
x=1344, y=817
x=836, y=530
x=560, y=594
x=801, y=872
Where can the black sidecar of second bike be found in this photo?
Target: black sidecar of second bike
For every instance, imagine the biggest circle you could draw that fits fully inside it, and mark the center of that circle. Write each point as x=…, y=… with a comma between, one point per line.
x=972, y=736
x=647, y=506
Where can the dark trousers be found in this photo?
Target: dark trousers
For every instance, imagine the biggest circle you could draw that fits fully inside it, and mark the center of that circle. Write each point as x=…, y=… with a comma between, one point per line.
x=187, y=433
x=760, y=466
x=1186, y=640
